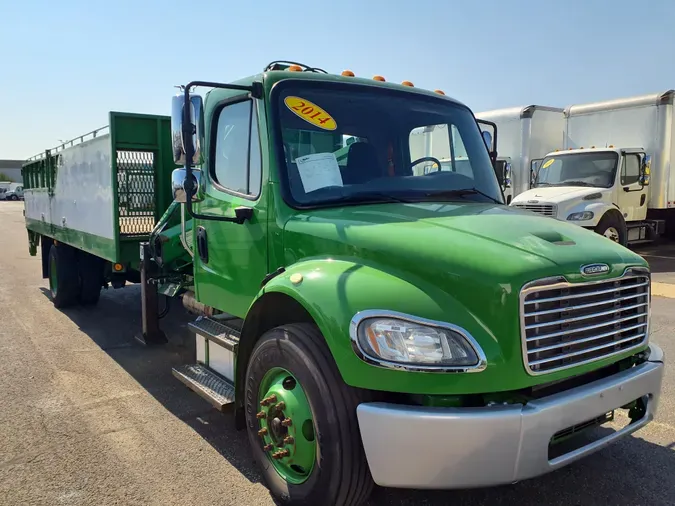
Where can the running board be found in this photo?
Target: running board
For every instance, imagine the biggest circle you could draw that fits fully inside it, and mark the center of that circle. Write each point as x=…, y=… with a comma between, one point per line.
x=204, y=382
x=222, y=332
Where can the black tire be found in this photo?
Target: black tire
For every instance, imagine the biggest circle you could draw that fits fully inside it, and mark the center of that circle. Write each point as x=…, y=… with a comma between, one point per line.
x=612, y=224
x=90, y=270
x=64, y=284
x=340, y=476
x=13, y=197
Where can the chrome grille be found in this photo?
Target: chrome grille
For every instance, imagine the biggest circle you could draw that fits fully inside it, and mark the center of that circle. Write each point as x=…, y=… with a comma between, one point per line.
x=543, y=209
x=568, y=324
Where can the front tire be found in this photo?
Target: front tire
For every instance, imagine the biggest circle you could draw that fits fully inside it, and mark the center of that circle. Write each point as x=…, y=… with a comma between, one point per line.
x=292, y=375
x=64, y=283
x=613, y=227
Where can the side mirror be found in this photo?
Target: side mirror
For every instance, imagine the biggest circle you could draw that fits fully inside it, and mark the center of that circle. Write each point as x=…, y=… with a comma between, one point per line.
x=534, y=168
x=507, y=175
x=645, y=170
x=179, y=182
x=487, y=137
x=197, y=121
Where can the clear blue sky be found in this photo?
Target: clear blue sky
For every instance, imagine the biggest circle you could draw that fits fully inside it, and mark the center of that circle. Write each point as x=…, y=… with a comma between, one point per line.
x=67, y=63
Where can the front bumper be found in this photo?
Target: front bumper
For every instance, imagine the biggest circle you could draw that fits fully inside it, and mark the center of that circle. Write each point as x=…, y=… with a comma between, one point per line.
x=423, y=447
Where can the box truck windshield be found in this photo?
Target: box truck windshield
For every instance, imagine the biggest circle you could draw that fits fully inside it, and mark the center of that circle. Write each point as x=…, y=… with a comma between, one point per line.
x=578, y=169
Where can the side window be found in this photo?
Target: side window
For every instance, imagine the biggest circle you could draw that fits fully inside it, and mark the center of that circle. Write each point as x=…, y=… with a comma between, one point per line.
x=237, y=150
x=630, y=172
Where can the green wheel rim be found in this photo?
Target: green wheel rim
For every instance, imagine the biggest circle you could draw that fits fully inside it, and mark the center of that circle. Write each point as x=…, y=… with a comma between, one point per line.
x=286, y=426
x=52, y=276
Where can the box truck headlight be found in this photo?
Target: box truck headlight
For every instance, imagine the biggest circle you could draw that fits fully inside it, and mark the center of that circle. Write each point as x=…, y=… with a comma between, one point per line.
x=397, y=341
x=583, y=216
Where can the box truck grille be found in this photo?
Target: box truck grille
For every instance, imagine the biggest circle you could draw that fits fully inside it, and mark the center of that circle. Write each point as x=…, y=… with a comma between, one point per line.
x=568, y=324
x=136, y=192
x=544, y=209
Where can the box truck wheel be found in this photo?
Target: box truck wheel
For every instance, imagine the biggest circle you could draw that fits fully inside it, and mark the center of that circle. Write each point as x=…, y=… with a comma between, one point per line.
x=90, y=270
x=613, y=226
x=63, y=277
x=301, y=420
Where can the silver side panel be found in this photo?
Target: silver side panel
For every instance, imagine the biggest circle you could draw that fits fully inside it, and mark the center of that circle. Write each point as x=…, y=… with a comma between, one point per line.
x=83, y=193
x=525, y=137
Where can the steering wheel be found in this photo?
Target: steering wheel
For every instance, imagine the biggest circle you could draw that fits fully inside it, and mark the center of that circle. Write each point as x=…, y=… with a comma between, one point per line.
x=427, y=159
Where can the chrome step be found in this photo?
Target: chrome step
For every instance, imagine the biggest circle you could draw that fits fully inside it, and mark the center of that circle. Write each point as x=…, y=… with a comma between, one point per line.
x=201, y=380
x=222, y=332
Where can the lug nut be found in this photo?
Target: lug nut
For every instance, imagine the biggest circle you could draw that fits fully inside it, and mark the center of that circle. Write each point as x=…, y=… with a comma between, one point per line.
x=289, y=440
x=286, y=423
x=281, y=406
x=268, y=448
x=261, y=415
x=281, y=454
x=262, y=432
x=269, y=400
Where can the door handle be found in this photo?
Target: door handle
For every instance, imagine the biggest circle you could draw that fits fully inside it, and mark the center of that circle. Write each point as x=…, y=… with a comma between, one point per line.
x=202, y=245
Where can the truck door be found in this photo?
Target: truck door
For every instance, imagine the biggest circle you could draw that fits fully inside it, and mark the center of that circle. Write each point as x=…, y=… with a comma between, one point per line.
x=230, y=259
x=632, y=195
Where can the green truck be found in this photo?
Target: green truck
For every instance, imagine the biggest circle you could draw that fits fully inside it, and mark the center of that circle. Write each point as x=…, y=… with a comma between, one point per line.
x=367, y=317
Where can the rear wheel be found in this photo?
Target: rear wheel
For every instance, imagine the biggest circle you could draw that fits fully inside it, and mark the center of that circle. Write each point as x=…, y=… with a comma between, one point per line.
x=63, y=276
x=613, y=227
x=301, y=421
x=91, y=278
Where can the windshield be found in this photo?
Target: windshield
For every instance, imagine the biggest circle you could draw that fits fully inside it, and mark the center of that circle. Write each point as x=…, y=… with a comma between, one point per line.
x=578, y=169
x=359, y=144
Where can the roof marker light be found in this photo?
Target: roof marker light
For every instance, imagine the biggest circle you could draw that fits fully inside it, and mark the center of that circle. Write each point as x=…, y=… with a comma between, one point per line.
x=295, y=68
x=408, y=83
x=347, y=73
x=379, y=78
x=440, y=92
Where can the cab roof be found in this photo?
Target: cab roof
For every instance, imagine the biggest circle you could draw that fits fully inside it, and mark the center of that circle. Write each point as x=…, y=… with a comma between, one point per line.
x=278, y=71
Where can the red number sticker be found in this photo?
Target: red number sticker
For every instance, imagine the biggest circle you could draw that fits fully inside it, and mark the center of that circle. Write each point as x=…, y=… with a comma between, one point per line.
x=311, y=113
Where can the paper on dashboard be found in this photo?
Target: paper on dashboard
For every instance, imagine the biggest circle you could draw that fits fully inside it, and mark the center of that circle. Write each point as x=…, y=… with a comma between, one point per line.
x=318, y=171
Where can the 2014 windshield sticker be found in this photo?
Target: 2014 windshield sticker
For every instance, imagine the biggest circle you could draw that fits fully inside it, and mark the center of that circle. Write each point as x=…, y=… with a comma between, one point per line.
x=548, y=164
x=311, y=113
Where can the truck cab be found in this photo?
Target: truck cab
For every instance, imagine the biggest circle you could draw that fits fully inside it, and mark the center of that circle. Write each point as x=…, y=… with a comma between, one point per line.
x=601, y=189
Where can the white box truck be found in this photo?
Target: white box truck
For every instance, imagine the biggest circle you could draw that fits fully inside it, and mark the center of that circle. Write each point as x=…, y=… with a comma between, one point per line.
x=614, y=174
x=526, y=135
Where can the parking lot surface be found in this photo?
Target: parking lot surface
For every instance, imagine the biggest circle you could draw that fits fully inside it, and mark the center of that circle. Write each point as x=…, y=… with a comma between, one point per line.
x=88, y=416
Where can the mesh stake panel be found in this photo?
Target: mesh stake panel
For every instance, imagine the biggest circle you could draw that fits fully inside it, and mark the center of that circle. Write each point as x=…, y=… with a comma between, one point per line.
x=136, y=192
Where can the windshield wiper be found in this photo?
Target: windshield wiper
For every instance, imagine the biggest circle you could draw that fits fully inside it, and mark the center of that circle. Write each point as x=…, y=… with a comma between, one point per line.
x=371, y=196
x=574, y=183
x=461, y=193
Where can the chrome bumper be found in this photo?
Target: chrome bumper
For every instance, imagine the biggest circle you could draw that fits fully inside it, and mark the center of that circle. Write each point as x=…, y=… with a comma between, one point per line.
x=421, y=447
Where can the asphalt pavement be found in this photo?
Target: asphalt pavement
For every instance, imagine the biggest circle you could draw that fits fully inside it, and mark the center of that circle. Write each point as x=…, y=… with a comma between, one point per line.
x=90, y=417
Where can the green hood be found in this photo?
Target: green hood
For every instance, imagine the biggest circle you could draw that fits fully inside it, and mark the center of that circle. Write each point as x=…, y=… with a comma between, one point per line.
x=450, y=244
x=467, y=263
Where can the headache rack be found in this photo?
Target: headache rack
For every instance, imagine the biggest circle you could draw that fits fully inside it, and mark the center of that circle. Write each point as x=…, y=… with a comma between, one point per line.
x=566, y=324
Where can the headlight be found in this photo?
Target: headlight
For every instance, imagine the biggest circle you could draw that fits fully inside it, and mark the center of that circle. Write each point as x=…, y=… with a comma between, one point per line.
x=583, y=216
x=399, y=341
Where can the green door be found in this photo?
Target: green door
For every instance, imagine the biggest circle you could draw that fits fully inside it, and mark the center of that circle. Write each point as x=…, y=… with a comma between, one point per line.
x=230, y=259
